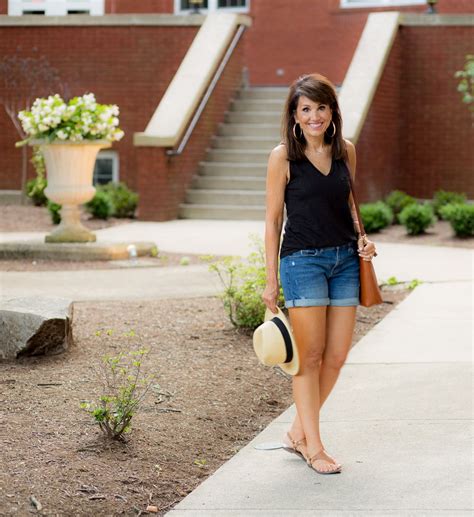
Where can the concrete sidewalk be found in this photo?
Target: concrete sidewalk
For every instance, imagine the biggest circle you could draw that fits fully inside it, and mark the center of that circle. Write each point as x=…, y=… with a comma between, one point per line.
x=399, y=420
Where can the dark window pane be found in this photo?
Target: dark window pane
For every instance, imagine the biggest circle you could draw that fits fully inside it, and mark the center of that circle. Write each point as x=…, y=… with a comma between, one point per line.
x=103, y=171
x=186, y=4
x=231, y=3
x=78, y=12
x=35, y=12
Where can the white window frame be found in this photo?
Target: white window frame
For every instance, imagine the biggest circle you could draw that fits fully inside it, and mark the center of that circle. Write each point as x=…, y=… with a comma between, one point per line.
x=212, y=7
x=115, y=163
x=353, y=4
x=55, y=7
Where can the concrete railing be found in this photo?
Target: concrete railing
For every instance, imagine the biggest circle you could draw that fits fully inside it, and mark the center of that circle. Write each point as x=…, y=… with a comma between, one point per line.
x=180, y=101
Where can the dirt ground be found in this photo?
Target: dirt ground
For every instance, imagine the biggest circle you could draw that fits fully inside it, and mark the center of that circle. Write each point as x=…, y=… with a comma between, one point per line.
x=213, y=397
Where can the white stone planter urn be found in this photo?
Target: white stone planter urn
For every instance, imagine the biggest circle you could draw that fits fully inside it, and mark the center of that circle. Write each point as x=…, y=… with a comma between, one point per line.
x=69, y=172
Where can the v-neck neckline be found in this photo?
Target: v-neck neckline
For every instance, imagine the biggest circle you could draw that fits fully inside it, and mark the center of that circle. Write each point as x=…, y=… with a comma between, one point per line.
x=318, y=170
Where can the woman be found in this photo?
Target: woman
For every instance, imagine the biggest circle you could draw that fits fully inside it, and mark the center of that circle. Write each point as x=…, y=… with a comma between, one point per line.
x=319, y=265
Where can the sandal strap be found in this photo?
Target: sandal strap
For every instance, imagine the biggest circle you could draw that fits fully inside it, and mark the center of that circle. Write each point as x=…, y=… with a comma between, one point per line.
x=313, y=458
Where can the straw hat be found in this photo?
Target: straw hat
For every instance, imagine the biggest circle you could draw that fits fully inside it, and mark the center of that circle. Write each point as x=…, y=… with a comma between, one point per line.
x=274, y=344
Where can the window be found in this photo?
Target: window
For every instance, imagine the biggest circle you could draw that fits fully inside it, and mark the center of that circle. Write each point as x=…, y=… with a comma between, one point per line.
x=55, y=7
x=106, y=168
x=380, y=3
x=186, y=6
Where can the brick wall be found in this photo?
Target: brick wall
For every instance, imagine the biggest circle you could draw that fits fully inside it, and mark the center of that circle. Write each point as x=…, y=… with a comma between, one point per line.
x=417, y=130
x=128, y=66
x=436, y=137
x=378, y=148
x=140, y=6
x=163, y=180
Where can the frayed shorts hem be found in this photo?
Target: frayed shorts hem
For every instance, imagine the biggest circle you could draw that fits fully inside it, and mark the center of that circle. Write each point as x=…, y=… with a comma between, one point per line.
x=308, y=302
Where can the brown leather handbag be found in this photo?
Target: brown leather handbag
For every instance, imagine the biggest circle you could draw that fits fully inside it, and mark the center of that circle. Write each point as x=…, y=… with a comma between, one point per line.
x=369, y=288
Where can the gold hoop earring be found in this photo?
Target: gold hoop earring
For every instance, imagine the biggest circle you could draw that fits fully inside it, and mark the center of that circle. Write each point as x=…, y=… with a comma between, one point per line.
x=334, y=129
x=294, y=131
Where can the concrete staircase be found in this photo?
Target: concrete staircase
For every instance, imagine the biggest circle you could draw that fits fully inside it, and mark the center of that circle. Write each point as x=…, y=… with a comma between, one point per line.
x=230, y=183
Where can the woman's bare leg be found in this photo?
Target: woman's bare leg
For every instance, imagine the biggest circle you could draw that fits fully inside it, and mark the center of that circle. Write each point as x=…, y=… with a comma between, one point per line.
x=309, y=330
x=340, y=323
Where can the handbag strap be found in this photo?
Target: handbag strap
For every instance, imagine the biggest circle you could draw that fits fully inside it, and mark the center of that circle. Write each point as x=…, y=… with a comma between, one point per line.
x=356, y=203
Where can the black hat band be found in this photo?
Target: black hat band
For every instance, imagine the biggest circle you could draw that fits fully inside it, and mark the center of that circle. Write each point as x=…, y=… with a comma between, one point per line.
x=286, y=338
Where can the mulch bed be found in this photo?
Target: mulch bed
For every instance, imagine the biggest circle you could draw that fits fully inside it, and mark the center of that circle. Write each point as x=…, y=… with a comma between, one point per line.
x=215, y=397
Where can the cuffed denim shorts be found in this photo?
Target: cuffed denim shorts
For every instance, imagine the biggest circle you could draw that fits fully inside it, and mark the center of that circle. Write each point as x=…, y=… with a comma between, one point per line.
x=321, y=276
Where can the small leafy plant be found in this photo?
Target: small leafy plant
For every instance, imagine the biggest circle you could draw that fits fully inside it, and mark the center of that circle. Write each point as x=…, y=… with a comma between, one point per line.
x=124, y=200
x=461, y=218
x=442, y=198
x=100, y=206
x=35, y=187
x=375, y=216
x=244, y=281
x=124, y=387
x=416, y=218
x=397, y=200
x=54, y=211
x=466, y=84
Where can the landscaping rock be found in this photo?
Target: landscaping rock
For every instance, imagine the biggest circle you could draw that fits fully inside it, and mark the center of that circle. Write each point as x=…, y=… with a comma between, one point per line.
x=34, y=326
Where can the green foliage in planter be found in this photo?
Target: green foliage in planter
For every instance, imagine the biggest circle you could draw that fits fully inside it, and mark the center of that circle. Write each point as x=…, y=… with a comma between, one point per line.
x=100, y=205
x=35, y=187
x=442, y=198
x=123, y=199
x=397, y=200
x=375, y=216
x=416, y=218
x=54, y=210
x=123, y=388
x=244, y=281
x=461, y=218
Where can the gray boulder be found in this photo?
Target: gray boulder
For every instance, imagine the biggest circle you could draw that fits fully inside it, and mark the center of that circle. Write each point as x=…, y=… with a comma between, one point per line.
x=34, y=326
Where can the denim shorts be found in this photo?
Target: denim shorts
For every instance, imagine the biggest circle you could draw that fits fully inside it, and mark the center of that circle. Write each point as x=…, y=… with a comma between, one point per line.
x=321, y=276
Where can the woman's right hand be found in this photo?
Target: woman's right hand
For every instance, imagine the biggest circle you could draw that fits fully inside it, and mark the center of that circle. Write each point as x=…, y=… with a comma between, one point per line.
x=270, y=296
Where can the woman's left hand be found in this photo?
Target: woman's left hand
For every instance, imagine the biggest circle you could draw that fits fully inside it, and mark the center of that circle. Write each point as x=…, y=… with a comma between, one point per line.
x=366, y=248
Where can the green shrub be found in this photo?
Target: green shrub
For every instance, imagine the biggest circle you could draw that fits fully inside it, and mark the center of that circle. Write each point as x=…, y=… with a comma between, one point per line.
x=461, y=218
x=124, y=387
x=35, y=191
x=442, y=198
x=375, y=216
x=397, y=200
x=244, y=281
x=123, y=199
x=100, y=205
x=35, y=187
x=54, y=211
x=416, y=218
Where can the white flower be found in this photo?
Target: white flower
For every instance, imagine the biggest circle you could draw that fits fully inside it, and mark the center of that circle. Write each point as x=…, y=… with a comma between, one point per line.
x=62, y=135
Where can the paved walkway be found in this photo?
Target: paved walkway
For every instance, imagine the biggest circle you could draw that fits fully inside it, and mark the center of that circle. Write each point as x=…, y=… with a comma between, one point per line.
x=400, y=418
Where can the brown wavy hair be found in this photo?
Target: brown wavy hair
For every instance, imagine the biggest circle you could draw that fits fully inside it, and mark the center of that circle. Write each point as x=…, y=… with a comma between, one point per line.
x=319, y=89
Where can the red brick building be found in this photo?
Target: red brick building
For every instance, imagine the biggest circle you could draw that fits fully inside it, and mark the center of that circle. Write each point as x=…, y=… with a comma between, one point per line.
x=415, y=134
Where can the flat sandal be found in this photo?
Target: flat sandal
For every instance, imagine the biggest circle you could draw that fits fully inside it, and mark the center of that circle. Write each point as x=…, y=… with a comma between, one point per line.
x=310, y=460
x=294, y=448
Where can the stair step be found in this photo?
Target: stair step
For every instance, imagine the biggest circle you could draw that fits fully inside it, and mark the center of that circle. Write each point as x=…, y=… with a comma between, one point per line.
x=249, y=130
x=258, y=170
x=239, y=156
x=226, y=212
x=257, y=105
x=250, y=117
x=228, y=197
x=263, y=92
x=244, y=143
x=231, y=183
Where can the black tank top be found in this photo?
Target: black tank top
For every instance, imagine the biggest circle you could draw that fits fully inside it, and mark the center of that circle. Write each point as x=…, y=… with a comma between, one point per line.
x=317, y=207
